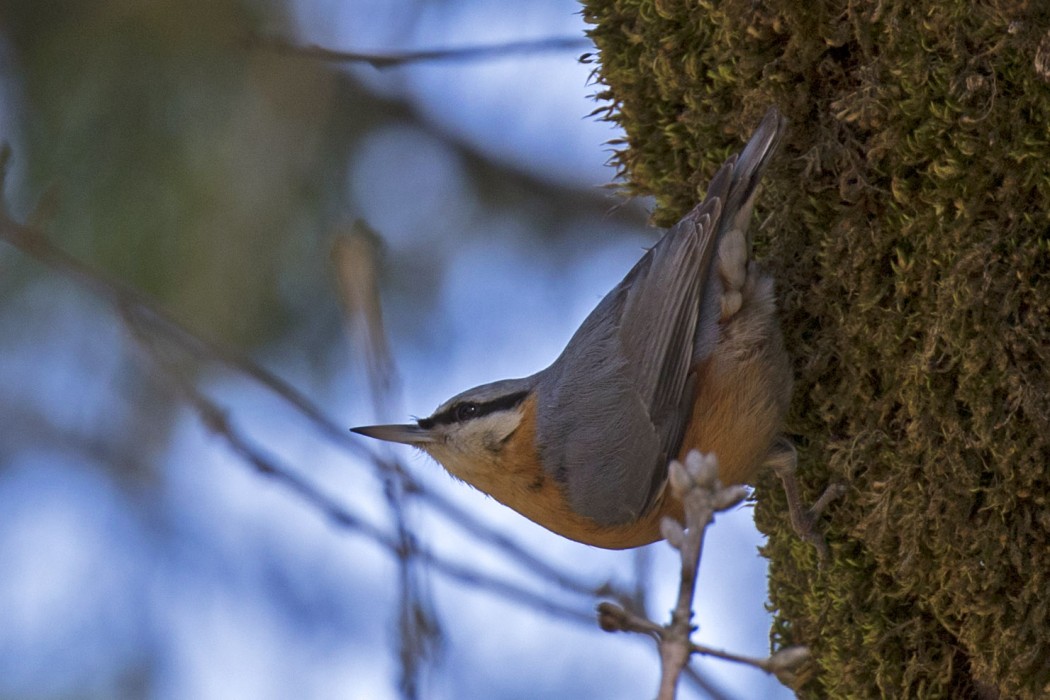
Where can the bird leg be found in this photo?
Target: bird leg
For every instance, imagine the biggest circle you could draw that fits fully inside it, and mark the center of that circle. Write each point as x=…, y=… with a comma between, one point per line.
x=783, y=458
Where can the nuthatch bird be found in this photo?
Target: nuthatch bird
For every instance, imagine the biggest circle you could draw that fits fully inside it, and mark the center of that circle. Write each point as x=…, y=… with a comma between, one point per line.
x=685, y=353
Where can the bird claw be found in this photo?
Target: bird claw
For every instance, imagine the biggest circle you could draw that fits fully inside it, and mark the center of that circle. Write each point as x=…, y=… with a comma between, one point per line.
x=783, y=458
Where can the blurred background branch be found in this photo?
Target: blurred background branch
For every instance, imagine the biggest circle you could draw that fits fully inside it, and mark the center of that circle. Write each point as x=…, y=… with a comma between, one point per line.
x=387, y=60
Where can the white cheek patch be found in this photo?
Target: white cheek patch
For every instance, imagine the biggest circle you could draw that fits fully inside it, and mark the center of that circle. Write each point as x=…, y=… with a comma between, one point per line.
x=471, y=446
x=489, y=431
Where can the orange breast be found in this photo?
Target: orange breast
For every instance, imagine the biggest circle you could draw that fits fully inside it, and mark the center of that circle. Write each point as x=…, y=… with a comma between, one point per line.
x=524, y=486
x=735, y=415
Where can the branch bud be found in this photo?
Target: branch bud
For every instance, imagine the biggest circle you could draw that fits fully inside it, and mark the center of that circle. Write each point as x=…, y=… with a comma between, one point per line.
x=702, y=467
x=611, y=617
x=673, y=532
x=679, y=479
x=730, y=496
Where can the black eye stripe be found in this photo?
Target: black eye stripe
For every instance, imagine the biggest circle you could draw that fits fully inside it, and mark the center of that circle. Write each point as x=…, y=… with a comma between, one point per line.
x=469, y=410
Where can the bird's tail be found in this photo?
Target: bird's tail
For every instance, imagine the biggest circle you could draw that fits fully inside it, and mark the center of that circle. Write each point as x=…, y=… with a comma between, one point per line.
x=729, y=200
x=748, y=166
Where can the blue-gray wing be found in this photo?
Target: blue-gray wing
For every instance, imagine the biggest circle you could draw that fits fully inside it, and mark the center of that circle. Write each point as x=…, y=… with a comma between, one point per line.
x=613, y=406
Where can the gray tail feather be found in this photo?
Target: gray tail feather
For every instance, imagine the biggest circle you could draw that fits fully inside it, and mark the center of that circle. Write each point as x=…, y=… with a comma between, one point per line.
x=751, y=163
x=735, y=184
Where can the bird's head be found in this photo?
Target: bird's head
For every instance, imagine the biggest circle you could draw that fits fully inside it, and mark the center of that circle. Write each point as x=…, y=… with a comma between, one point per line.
x=470, y=432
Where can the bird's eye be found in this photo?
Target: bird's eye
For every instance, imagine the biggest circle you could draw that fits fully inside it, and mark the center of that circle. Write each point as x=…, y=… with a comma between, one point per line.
x=466, y=411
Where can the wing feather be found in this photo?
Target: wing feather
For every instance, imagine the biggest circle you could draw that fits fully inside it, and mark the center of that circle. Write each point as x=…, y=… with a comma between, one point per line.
x=613, y=406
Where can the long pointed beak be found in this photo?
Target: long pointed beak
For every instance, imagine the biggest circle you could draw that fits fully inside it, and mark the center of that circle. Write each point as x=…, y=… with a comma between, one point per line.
x=407, y=434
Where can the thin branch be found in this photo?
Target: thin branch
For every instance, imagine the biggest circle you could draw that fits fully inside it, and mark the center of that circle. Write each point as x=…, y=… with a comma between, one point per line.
x=786, y=658
x=355, y=255
x=400, y=58
x=696, y=485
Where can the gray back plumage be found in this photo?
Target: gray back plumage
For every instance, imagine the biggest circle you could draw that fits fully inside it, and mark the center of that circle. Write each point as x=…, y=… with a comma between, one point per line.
x=612, y=408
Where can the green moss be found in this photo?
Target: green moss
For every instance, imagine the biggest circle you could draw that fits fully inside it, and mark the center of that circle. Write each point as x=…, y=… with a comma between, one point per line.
x=909, y=232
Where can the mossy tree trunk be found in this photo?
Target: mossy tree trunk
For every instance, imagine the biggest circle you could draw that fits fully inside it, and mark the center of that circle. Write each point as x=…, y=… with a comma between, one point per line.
x=907, y=221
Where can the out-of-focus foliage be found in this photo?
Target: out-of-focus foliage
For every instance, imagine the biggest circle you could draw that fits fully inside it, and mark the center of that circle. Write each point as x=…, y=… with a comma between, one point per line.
x=179, y=159
x=907, y=223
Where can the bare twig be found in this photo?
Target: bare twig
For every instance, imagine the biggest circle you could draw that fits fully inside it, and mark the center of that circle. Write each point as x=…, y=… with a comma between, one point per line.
x=356, y=258
x=783, y=660
x=400, y=58
x=696, y=485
